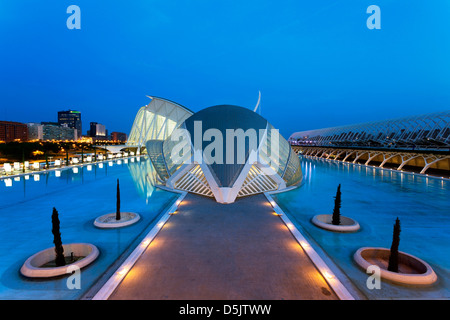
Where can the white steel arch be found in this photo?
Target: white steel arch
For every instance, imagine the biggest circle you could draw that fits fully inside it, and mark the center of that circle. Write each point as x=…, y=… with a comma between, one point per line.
x=428, y=131
x=156, y=121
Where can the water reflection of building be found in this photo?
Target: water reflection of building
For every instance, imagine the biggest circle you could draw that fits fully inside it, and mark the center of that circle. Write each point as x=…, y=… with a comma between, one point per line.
x=144, y=176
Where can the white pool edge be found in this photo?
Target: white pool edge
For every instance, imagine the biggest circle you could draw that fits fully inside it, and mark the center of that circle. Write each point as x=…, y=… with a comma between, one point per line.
x=332, y=280
x=64, y=167
x=113, y=282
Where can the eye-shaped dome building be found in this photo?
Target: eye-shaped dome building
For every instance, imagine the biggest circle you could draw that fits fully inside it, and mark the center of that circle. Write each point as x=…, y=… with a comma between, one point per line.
x=224, y=152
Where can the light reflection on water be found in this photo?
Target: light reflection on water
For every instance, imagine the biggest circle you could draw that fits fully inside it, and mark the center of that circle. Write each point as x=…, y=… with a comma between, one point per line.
x=375, y=197
x=80, y=196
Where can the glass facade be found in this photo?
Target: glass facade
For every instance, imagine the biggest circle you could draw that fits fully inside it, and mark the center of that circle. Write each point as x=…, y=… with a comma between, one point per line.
x=429, y=131
x=154, y=151
x=275, y=167
x=156, y=121
x=175, y=161
x=72, y=119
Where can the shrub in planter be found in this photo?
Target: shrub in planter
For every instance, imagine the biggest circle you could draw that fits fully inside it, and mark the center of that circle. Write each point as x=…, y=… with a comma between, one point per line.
x=118, y=201
x=393, y=258
x=59, y=250
x=336, y=219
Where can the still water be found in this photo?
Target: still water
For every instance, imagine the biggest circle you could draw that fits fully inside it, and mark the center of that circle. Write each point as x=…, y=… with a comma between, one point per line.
x=80, y=196
x=375, y=198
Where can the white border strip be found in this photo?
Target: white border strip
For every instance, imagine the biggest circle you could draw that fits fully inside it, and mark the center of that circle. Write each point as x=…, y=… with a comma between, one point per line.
x=326, y=272
x=63, y=167
x=113, y=282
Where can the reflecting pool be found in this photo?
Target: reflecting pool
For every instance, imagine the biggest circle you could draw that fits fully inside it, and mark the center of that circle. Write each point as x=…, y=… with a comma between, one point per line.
x=80, y=195
x=375, y=198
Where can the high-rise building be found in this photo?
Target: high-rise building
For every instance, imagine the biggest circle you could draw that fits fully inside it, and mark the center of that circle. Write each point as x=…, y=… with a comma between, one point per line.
x=10, y=131
x=97, y=130
x=59, y=132
x=119, y=136
x=72, y=119
x=35, y=131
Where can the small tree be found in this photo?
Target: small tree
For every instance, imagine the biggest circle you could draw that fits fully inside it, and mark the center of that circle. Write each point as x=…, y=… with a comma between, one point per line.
x=118, y=202
x=393, y=258
x=336, y=219
x=46, y=160
x=59, y=250
x=23, y=160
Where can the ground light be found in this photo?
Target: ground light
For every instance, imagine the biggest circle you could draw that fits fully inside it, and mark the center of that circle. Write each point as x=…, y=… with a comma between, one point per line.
x=325, y=271
x=126, y=266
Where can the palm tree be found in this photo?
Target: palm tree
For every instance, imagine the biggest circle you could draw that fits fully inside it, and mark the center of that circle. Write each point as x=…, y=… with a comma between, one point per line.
x=336, y=219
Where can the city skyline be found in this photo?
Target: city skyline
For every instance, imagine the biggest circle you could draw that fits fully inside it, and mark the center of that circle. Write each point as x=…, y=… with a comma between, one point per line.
x=225, y=151
x=316, y=65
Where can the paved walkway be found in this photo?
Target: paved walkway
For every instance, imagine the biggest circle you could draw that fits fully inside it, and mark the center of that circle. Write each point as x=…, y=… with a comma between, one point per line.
x=209, y=251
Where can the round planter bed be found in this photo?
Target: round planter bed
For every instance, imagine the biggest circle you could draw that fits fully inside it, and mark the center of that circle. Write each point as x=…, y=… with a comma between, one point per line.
x=39, y=265
x=109, y=220
x=324, y=221
x=412, y=270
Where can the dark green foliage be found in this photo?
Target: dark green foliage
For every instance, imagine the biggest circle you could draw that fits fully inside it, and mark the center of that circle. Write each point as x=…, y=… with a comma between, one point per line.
x=393, y=258
x=22, y=151
x=118, y=202
x=46, y=160
x=59, y=250
x=336, y=220
x=23, y=159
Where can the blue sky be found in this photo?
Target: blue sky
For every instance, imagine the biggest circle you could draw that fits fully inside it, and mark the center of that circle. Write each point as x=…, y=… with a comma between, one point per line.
x=315, y=62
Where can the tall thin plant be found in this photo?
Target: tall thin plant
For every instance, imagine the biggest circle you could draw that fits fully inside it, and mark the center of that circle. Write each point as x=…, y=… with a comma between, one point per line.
x=46, y=160
x=336, y=219
x=118, y=201
x=393, y=257
x=23, y=160
x=59, y=250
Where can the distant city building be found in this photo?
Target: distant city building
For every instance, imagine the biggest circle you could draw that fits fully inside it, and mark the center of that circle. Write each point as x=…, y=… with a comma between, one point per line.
x=119, y=136
x=10, y=131
x=72, y=119
x=97, y=130
x=35, y=131
x=51, y=123
x=59, y=132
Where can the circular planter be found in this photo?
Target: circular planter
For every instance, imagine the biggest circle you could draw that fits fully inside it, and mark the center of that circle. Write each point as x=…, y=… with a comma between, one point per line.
x=324, y=221
x=33, y=266
x=109, y=220
x=412, y=270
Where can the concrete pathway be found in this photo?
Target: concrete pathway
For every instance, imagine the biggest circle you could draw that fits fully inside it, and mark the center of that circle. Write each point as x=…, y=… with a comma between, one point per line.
x=210, y=251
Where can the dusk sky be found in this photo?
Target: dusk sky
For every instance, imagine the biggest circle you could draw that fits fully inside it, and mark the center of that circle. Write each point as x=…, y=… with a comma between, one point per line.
x=315, y=62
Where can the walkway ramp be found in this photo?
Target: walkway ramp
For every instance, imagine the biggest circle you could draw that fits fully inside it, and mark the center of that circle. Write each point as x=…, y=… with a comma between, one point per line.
x=212, y=251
